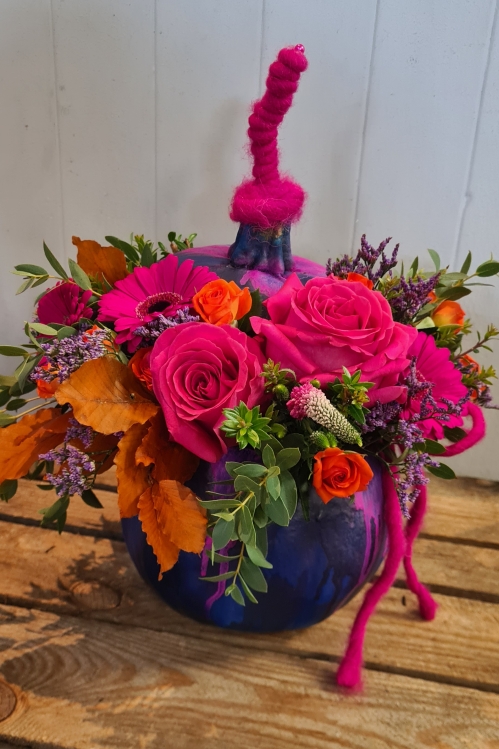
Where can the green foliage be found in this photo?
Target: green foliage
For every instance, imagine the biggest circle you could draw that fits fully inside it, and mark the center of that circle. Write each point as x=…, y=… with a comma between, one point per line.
x=55, y=514
x=263, y=493
x=247, y=426
x=349, y=395
x=278, y=381
x=8, y=488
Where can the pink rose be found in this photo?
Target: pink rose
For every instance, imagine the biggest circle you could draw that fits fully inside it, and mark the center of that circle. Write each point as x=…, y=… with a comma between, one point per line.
x=328, y=324
x=199, y=369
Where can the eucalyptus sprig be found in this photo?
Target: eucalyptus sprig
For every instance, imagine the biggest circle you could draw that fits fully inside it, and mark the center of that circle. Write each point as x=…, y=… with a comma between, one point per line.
x=262, y=493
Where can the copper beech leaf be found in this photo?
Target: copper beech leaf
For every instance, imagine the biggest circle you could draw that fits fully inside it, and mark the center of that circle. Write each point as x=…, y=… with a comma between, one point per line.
x=21, y=443
x=172, y=520
x=106, y=395
x=171, y=460
x=100, y=262
x=131, y=477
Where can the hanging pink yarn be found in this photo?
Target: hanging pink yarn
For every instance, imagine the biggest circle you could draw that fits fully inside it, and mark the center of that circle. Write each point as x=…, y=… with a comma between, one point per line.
x=475, y=434
x=427, y=604
x=269, y=199
x=349, y=671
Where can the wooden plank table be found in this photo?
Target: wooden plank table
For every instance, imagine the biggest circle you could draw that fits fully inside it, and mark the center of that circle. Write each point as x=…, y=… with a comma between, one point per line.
x=91, y=659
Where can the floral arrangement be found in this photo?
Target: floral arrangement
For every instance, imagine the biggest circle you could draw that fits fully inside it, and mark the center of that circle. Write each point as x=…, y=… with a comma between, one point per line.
x=137, y=357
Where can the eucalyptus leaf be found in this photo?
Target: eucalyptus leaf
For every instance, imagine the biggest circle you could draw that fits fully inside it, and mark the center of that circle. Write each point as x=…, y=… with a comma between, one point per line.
x=65, y=332
x=273, y=486
x=489, y=268
x=25, y=285
x=217, y=578
x=454, y=434
x=443, y=471
x=127, y=249
x=237, y=596
x=219, y=504
x=32, y=270
x=13, y=351
x=262, y=542
x=252, y=470
x=6, y=420
x=289, y=493
x=79, y=276
x=288, y=457
x=54, y=262
x=467, y=264
x=278, y=513
x=16, y=404
x=257, y=557
x=42, y=329
x=253, y=576
x=91, y=499
x=247, y=590
x=244, y=483
x=6, y=381
x=436, y=258
x=222, y=533
x=453, y=293
x=8, y=488
x=268, y=456
x=4, y=397
x=434, y=448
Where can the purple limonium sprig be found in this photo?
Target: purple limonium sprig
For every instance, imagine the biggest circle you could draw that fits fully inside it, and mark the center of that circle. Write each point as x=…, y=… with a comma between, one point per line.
x=152, y=330
x=381, y=415
x=75, y=475
x=409, y=295
x=77, y=431
x=68, y=355
x=364, y=261
x=410, y=476
x=428, y=406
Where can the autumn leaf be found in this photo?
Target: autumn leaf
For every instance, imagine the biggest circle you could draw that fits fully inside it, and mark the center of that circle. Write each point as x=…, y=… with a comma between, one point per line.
x=172, y=520
x=106, y=395
x=100, y=262
x=164, y=550
x=21, y=443
x=132, y=478
x=171, y=461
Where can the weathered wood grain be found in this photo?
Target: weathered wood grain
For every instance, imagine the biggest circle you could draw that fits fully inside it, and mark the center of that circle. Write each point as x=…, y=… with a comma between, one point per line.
x=90, y=685
x=94, y=578
x=460, y=510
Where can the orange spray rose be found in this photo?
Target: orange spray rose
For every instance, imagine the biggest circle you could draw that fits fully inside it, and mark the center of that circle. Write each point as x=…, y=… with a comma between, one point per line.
x=448, y=313
x=360, y=279
x=339, y=474
x=140, y=366
x=220, y=302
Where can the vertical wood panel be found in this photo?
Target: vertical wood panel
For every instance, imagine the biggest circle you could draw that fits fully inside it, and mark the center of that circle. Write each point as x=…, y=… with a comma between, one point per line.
x=208, y=58
x=105, y=76
x=321, y=136
x=480, y=235
x=29, y=188
x=428, y=67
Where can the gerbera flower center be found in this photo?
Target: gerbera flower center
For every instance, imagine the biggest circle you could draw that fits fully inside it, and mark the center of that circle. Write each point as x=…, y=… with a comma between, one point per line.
x=156, y=303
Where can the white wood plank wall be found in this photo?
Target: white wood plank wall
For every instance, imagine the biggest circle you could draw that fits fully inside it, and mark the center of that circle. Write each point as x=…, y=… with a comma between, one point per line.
x=130, y=115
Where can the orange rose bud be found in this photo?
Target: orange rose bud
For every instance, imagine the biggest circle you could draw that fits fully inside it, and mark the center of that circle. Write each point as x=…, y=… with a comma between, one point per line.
x=448, y=313
x=221, y=302
x=140, y=366
x=339, y=474
x=360, y=279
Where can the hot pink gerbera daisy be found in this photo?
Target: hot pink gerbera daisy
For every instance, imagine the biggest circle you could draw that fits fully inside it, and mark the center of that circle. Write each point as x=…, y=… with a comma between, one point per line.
x=163, y=289
x=433, y=365
x=64, y=304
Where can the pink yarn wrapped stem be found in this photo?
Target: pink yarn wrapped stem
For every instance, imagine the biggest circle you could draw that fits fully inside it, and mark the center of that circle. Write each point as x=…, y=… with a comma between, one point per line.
x=349, y=671
x=475, y=434
x=269, y=199
x=427, y=604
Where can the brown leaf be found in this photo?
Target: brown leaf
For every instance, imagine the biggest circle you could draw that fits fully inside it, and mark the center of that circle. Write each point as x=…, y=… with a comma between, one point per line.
x=180, y=516
x=100, y=262
x=165, y=551
x=106, y=395
x=171, y=461
x=21, y=443
x=172, y=520
x=132, y=478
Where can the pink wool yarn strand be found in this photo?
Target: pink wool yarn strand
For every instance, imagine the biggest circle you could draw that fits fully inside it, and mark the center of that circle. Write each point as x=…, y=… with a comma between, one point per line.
x=349, y=671
x=269, y=199
x=475, y=434
x=427, y=604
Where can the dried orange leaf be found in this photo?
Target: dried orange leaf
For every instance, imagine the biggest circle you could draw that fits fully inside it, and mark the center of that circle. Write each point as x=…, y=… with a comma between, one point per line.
x=132, y=478
x=106, y=395
x=165, y=551
x=100, y=262
x=171, y=461
x=180, y=516
x=21, y=443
